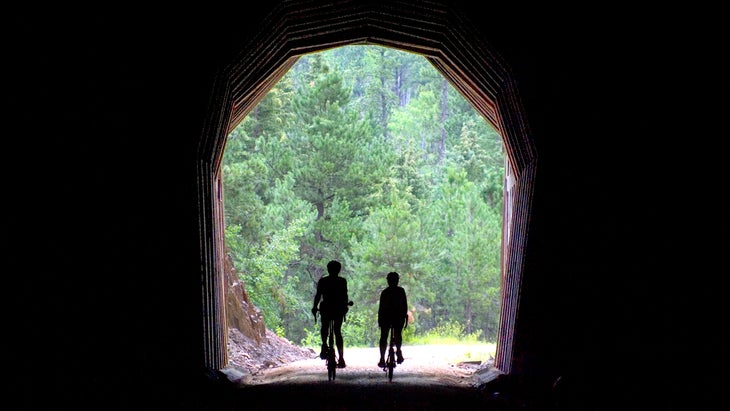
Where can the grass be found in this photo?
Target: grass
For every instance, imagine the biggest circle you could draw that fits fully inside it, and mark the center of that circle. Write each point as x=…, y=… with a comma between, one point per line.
x=462, y=347
x=465, y=347
x=461, y=351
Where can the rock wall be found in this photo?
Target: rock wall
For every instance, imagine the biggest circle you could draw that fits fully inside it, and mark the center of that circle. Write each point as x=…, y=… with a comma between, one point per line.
x=251, y=346
x=241, y=314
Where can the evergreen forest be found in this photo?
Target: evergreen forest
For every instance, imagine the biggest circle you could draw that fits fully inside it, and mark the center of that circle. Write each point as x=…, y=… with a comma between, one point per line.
x=367, y=155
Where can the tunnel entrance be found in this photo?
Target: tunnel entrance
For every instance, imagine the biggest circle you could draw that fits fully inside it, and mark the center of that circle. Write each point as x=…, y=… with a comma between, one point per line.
x=459, y=54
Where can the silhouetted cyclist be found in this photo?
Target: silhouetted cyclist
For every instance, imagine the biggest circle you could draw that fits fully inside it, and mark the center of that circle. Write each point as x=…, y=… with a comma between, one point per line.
x=392, y=312
x=332, y=290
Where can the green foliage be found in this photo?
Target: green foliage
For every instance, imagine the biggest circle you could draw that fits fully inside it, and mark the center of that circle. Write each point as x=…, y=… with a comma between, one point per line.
x=447, y=332
x=280, y=331
x=311, y=338
x=367, y=155
x=357, y=330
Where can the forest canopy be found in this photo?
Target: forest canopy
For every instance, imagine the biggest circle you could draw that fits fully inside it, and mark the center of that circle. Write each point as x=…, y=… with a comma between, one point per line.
x=367, y=155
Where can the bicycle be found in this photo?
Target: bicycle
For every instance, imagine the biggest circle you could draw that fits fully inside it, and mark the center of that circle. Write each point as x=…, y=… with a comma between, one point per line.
x=390, y=362
x=331, y=357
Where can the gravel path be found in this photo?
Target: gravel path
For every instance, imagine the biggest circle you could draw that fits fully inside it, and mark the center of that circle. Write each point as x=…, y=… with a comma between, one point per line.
x=422, y=365
x=425, y=381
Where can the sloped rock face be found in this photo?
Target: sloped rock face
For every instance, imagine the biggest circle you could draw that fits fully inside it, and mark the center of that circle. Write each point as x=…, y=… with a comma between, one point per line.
x=251, y=346
x=240, y=313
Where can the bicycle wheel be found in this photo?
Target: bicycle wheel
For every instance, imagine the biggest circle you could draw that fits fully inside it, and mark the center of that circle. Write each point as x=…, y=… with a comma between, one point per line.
x=390, y=364
x=331, y=357
x=331, y=372
x=331, y=365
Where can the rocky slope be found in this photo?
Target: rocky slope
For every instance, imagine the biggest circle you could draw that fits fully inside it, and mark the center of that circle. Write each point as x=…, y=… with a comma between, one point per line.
x=251, y=346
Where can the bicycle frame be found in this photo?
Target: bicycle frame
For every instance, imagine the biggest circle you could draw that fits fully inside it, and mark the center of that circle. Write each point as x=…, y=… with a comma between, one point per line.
x=390, y=363
x=331, y=361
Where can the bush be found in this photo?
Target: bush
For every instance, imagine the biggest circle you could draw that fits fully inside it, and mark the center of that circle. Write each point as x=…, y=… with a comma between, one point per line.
x=357, y=331
x=448, y=332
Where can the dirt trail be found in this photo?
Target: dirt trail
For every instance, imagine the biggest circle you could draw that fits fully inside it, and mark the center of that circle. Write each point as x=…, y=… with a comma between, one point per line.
x=425, y=381
x=423, y=364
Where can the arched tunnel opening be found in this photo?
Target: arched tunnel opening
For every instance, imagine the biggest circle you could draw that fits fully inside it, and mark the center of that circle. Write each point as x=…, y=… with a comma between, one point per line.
x=444, y=39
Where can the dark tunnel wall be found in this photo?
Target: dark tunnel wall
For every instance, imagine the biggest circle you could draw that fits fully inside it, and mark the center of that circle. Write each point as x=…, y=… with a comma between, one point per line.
x=104, y=203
